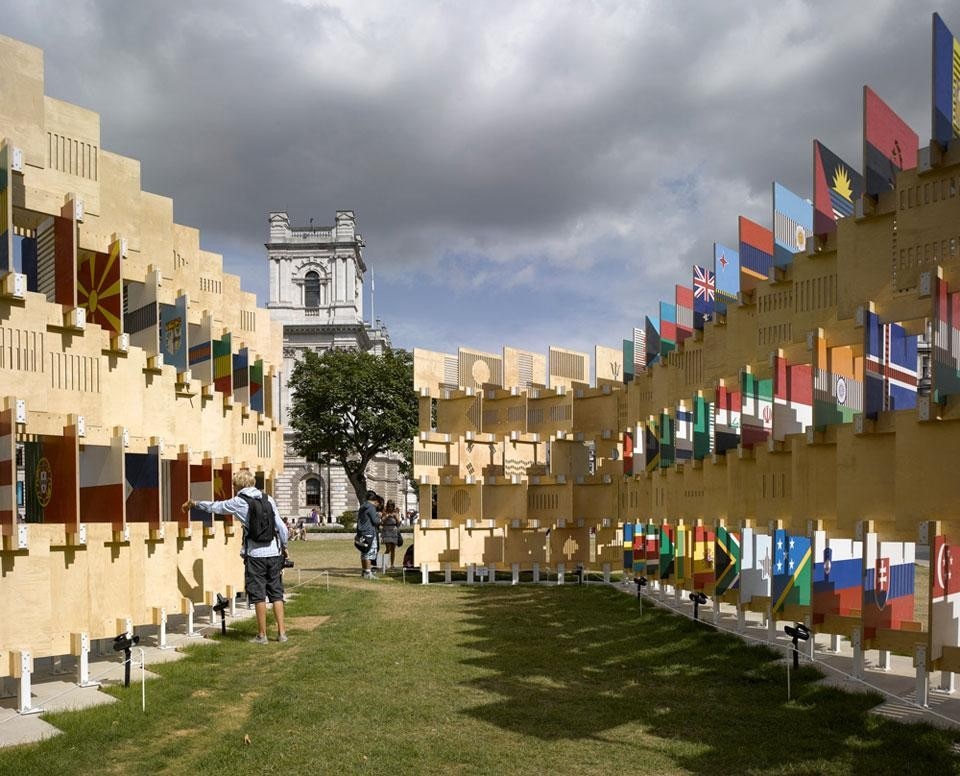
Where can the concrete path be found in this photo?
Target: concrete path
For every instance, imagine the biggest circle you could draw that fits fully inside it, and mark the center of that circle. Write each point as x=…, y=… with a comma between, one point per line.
x=54, y=683
x=898, y=683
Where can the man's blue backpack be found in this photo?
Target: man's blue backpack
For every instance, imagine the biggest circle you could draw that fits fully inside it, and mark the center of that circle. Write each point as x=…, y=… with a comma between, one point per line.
x=261, y=528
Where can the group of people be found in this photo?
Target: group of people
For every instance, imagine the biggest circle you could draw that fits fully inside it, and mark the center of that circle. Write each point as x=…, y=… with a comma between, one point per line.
x=378, y=524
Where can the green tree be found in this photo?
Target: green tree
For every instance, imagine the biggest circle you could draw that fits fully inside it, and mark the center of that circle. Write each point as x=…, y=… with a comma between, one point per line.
x=348, y=406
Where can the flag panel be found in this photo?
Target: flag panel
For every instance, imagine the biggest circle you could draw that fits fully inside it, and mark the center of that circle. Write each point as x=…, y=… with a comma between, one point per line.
x=836, y=187
x=837, y=577
x=792, y=224
x=888, y=585
x=704, y=295
x=792, y=562
x=726, y=268
x=889, y=145
x=727, y=555
x=756, y=250
x=944, y=594
x=946, y=83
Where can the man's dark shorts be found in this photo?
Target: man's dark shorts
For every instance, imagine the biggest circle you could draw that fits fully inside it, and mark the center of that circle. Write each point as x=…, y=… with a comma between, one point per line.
x=263, y=580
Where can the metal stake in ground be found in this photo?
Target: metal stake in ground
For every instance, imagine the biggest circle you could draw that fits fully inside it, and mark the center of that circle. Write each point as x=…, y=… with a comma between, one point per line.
x=221, y=607
x=698, y=600
x=124, y=642
x=798, y=633
x=640, y=582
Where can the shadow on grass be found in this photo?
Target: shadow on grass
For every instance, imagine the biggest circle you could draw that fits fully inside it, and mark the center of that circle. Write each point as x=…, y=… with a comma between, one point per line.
x=578, y=663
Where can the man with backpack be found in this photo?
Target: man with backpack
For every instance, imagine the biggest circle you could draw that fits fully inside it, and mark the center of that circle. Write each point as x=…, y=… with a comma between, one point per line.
x=264, y=547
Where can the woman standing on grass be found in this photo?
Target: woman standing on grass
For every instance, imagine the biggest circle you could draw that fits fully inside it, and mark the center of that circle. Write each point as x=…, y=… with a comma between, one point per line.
x=390, y=531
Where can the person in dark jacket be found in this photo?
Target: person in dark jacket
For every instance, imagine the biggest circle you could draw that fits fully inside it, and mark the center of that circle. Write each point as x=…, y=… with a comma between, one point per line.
x=368, y=520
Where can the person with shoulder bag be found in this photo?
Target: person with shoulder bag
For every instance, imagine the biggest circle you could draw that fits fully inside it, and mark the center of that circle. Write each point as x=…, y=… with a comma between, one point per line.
x=368, y=521
x=264, y=547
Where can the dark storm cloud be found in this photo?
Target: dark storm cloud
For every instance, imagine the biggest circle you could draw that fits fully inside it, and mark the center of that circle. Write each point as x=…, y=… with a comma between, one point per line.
x=580, y=153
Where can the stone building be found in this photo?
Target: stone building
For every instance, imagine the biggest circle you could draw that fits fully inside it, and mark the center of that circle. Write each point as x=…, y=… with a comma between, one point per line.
x=316, y=295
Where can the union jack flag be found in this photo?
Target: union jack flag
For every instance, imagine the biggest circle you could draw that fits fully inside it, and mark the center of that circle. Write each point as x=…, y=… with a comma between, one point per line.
x=704, y=294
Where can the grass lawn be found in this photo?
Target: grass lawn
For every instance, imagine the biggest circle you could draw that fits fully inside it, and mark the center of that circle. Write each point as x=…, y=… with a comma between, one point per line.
x=435, y=679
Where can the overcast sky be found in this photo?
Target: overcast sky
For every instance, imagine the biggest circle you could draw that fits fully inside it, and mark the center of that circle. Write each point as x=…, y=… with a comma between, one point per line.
x=523, y=173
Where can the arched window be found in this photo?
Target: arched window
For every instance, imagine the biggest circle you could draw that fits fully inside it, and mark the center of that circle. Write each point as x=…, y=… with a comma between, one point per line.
x=311, y=290
x=313, y=492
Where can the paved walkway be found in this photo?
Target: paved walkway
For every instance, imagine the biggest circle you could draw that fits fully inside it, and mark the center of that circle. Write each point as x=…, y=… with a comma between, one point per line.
x=54, y=684
x=898, y=683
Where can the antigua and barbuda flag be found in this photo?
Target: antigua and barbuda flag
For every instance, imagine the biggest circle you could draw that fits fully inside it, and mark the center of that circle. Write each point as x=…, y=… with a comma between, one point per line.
x=704, y=295
x=792, y=224
x=836, y=187
x=889, y=145
x=792, y=570
x=888, y=585
x=837, y=576
x=727, y=560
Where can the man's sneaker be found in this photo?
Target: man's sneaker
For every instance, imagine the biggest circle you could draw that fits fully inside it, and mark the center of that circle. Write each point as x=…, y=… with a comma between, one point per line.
x=259, y=640
x=282, y=638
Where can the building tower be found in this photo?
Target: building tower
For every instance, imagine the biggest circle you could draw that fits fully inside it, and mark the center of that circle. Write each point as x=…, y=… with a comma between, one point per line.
x=316, y=295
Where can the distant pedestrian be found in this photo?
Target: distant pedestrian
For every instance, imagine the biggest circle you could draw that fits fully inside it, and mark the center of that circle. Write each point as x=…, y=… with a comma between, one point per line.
x=314, y=516
x=368, y=521
x=390, y=532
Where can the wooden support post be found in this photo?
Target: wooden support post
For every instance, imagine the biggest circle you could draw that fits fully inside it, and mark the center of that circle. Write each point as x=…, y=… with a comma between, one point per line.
x=923, y=685
x=834, y=643
x=186, y=608
x=536, y=572
x=771, y=628
x=80, y=647
x=424, y=574
x=883, y=660
x=492, y=572
x=948, y=681
x=448, y=573
x=560, y=571
x=22, y=668
x=606, y=573
x=810, y=645
x=741, y=619
x=470, y=573
x=232, y=595
x=716, y=610
x=856, y=641
x=160, y=620
x=515, y=574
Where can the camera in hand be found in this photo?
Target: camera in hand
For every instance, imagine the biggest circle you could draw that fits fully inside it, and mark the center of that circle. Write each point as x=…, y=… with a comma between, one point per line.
x=287, y=563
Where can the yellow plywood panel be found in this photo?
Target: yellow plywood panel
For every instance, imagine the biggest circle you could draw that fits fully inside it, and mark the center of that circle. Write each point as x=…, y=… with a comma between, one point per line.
x=459, y=502
x=609, y=363
x=568, y=368
x=433, y=371
x=479, y=369
x=523, y=369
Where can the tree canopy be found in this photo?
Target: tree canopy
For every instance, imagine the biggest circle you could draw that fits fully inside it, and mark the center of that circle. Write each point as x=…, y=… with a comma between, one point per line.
x=348, y=406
